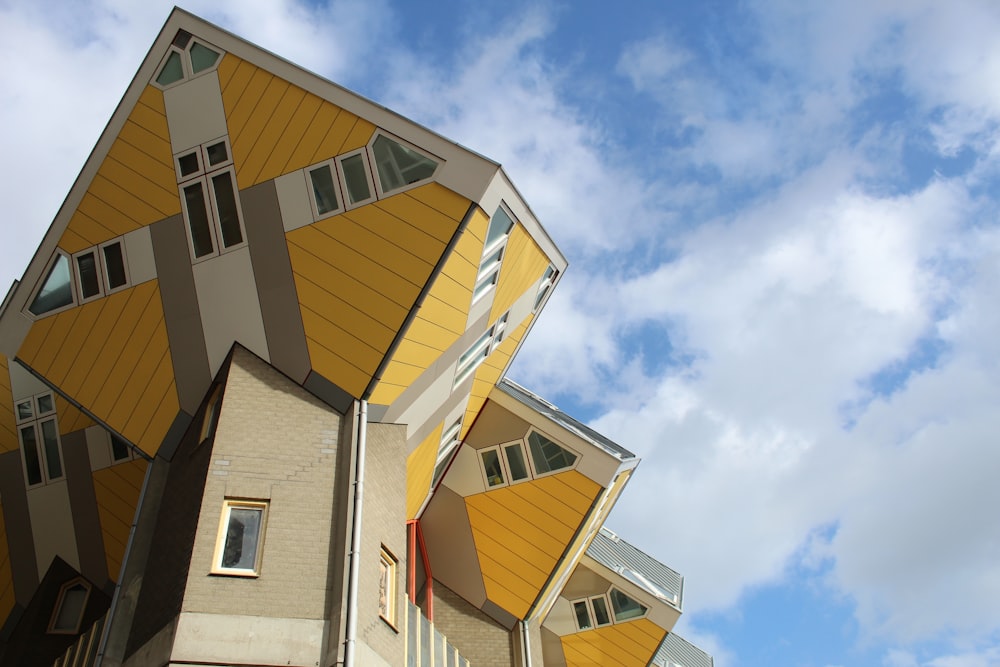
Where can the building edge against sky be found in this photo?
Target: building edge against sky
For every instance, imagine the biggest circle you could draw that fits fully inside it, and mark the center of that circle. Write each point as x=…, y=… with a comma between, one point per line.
x=253, y=407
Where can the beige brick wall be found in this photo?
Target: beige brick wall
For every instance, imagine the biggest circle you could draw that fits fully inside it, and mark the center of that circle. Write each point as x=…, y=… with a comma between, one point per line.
x=480, y=639
x=274, y=442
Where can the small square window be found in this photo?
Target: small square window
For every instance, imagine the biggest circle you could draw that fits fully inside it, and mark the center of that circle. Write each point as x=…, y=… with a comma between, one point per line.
x=238, y=545
x=387, y=566
x=24, y=411
x=189, y=164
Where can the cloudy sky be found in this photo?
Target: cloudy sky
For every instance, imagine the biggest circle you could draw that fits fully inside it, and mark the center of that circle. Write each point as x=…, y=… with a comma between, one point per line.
x=782, y=219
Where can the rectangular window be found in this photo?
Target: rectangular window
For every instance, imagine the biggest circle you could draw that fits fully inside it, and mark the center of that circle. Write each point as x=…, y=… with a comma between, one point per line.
x=120, y=451
x=493, y=468
x=514, y=453
x=325, y=191
x=210, y=198
x=38, y=433
x=449, y=441
x=115, y=266
x=387, y=586
x=356, y=177
x=238, y=545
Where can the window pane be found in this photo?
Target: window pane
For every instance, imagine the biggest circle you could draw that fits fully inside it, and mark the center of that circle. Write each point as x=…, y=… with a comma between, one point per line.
x=225, y=199
x=582, y=615
x=515, y=462
x=547, y=455
x=172, y=70
x=398, y=165
x=494, y=471
x=51, y=440
x=71, y=609
x=356, y=176
x=202, y=57
x=240, y=551
x=90, y=284
x=45, y=404
x=624, y=606
x=57, y=290
x=29, y=446
x=114, y=262
x=24, y=411
x=201, y=232
x=189, y=164
x=324, y=190
x=500, y=226
x=601, y=616
x=119, y=448
x=217, y=154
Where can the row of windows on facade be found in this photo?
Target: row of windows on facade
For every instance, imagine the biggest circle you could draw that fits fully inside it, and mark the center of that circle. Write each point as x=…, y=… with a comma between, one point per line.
x=609, y=607
x=41, y=448
x=239, y=551
x=506, y=464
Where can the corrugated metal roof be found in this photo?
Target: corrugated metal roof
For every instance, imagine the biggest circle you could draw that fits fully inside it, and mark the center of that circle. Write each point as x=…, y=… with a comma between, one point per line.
x=543, y=407
x=642, y=570
x=675, y=651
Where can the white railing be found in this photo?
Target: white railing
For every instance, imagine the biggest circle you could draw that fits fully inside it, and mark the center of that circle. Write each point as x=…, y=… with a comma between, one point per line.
x=425, y=646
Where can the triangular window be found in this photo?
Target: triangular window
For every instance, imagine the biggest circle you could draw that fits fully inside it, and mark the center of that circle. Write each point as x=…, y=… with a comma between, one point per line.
x=57, y=290
x=547, y=456
x=399, y=165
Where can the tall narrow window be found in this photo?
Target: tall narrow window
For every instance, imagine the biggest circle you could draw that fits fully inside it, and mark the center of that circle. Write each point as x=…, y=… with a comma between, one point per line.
x=88, y=275
x=115, y=267
x=449, y=442
x=387, y=586
x=241, y=532
x=493, y=467
x=356, y=178
x=67, y=615
x=493, y=251
x=210, y=199
x=325, y=191
x=38, y=433
x=548, y=279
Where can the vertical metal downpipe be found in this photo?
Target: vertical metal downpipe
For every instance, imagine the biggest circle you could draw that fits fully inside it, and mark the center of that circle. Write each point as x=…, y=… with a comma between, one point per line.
x=525, y=645
x=355, y=553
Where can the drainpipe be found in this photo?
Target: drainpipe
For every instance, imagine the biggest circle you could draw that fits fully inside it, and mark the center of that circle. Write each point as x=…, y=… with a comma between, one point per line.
x=361, y=414
x=526, y=648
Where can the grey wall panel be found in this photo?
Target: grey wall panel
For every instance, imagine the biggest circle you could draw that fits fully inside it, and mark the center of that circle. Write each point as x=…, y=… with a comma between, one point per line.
x=180, y=310
x=286, y=336
x=86, y=520
x=20, y=542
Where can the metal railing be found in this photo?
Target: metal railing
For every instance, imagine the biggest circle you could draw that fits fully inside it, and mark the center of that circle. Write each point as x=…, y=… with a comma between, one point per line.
x=425, y=646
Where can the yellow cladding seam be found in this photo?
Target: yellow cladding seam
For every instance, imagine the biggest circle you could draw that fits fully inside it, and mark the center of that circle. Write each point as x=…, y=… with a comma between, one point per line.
x=117, y=492
x=134, y=186
x=6, y=577
x=357, y=276
x=629, y=644
x=489, y=372
x=70, y=419
x=276, y=128
x=522, y=530
x=120, y=368
x=420, y=470
x=8, y=434
x=523, y=264
x=442, y=316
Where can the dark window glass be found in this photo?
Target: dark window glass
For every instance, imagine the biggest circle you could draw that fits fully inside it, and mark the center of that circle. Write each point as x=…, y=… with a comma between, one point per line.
x=515, y=462
x=114, y=262
x=119, y=448
x=57, y=290
x=90, y=284
x=189, y=164
x=225, y=200
x=202, y=57
x=601, y=616
x=201, y=232
x=582, y=615
x=494, y=470
x=356, y=176
x=547, y=455
x=324, y=190
x=240, y=552
x=217, y=154
x=172, y=71
x=24, y=411
x=45, y=404
x=625, y=607
x=29, y=445
x=398, y=165
x=71, y=606
x=51, y=440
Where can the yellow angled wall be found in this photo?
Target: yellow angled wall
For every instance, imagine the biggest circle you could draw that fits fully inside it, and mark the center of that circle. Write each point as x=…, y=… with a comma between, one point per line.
x=629, y=644
x=523, y=264
x=117, y=492
x=522, y=530
x=112, y=357
x=135, y=185
x=8, y=434
x=276, y=128
x=420, y=471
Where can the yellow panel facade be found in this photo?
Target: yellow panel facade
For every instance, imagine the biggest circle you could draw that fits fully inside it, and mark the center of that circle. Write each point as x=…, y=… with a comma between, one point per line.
x=120, y=365
x=522, y=530
x=629, y=644
x=489, y=373
x=523, y=264
x=420, y=471
x=117, y=492
x=134, y=186
x=69, y=417
x=8, y=434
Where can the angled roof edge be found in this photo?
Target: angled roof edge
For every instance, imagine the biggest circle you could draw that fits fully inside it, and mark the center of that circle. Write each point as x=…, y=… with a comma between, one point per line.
x=675, y=651
x=543, y=407
x=637, y=567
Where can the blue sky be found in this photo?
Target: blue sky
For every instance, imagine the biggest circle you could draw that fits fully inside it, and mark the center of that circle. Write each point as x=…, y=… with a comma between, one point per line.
x=782, y=222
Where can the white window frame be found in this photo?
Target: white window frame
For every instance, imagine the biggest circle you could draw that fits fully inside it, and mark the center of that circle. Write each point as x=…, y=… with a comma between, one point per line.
x=505, y=481
x=204, y=176
x=374, y=164
x=44, y=279
x=220, y=542
x=388, y=586
x=187, y=67
x=531, y=459
x=331, y=166
x=60, y=601
x=108, y=290
x=488, y=274
x=35, y=422
x=103, y=278
x=545, y=286
x=506, y=462
x=372, y=193
x=608, y=607
x=450, y=441
x=522, y=444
